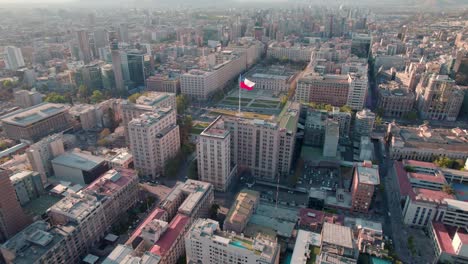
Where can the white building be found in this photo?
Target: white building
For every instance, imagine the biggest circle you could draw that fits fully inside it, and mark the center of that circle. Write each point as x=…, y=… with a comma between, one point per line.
x=357, y=91
x=206, y=243
x=214, y=156
x=42, y=152
x=13, y=58
x=154, y=139
x=364, y=123
x=286, y=51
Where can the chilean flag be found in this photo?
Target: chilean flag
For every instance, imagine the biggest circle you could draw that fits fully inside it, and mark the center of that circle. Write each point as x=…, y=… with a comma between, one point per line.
x=244, y=83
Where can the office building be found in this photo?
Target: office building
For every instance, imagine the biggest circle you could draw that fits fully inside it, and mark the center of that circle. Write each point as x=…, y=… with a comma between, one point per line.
x=337, y=245
x=12, y=217
x=41, y=153
x=241, y=211
x=78, y=167
x=136, y=67
x=284, y=50
x=439, y=98
x=326, y=89
x=364, y=124
x=450, y=245
x=13, y=58
x=163, y=83
x=214, y=156
x=86, y=116
x=90, y=75
x=273, y=78
x=365, y=179
x=117, y=66
x=395, y=99
x=107, y=75
x=332, y=134
x=123, y=33
x=357, y=92
x=154, y=139
x=206, y=243
x=361, y=45
x=425, y=143
x=28, y=186
x=149, y=102
x=84, y=47
x=36, y=122
x=25, y=98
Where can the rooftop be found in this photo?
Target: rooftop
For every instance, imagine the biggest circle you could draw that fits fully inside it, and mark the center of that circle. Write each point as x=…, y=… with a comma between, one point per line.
x=155, y=214
x=368, y=175
x=435, y=178
x=123, y=254
x=243, y=206
x=303, y=243
x=111, y=182
x=79, y=160
x=20, y=175
x=76, y=206
x=153, y=98
x=148, y=119
x=337, y=235
x=31, y=115
x=79, y=109
x=196, y=190
x=443, y=237
x=167, y=239
x=216, y=129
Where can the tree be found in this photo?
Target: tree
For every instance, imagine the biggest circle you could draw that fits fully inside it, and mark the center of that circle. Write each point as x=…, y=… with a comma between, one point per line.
x=97, y=96
x=7, y=84
x=102, y=142
x=182, y=103
x=328, y=107
x=55, y=98
x=132, y=98
x=411, y=116
x=83, y=92
x=444, y=162
x=172, y=166
x=448, y=189
x=346, y=109
x=378, y=120
x=185, y=126
x=104, y=133
x=283, y=100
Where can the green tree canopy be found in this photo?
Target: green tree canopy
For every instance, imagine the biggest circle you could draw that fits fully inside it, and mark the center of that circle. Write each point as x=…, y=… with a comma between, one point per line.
x=83, y=91
x=444, y=162
x=132, y=98
x=97, y=96
x=182, y=103
x=55, y=98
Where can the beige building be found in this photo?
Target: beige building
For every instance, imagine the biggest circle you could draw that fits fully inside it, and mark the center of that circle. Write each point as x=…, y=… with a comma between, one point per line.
x=206, y=243
x=154, y=139
x=439, y=98
x=25, y=98
x=395, y=99
x=148, y=102
x=41, y=153
x=364, y=123
x=214, y=156
x=36, y=122
x=163, y=83
x=284, y=50
x=357, y=90
x=239, y=215
x=85, y=115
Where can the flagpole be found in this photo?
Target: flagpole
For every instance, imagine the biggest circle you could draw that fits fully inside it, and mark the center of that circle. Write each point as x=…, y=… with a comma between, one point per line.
x=239, y=94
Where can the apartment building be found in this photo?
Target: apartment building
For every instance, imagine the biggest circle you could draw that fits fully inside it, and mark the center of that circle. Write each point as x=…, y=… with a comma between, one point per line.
x=163, y=83
x=285, y=50
x=357, y=93
x=241, y=211
x=28, y=185
x=206, y=243
x=154, y=139
x=439, y=98
x=41, y=153
x=25, y=98
x=145, y=103
x=364, y=124
x=36, y=122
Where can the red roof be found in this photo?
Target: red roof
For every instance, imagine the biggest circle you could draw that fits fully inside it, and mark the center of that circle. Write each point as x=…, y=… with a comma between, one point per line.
x=306, y=220
x=443, y=237
x=463, y=235
x=405, y=186
x=108, y=187
x=421, y=164
x=155, y=214
x=174, y=230
x=426, y=194
x=427, y=177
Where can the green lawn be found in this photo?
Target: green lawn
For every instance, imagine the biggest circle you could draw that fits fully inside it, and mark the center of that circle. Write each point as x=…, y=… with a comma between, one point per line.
x=262, y=105
x=314, y=252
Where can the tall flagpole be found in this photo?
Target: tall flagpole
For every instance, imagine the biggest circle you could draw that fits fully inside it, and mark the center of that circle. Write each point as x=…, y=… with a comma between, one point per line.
x=239, y=93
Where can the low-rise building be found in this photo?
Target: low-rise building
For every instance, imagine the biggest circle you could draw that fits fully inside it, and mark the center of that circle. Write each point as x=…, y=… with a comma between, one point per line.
x=78, y=167
x=163, y=83
x=25, y=98
x=241, y=211
x=337, y=244
x=206, y=243
x=450, y=245
x=28, y=186
x=305, y=242
x=394, y=99
x=41, y=153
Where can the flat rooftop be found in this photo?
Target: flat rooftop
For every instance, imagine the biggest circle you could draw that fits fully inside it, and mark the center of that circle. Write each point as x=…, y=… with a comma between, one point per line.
x=302, y=246
x=337, y=235
x=156, y=214
x=112, y=181
x=368, y=175
x=123, y=254
x=216, y=129
x=168, y=238
x=34, y=114
x=81, y=109
x=196, y=190
x=153, y=98
x=76, y=206
x=150, y=118
x=78, y=160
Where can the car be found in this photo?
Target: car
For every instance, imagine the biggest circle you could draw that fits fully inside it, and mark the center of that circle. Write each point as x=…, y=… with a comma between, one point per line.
x=389, y=214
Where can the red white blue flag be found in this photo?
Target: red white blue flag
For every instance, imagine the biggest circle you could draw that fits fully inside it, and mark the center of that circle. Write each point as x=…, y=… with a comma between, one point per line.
x=246, y=84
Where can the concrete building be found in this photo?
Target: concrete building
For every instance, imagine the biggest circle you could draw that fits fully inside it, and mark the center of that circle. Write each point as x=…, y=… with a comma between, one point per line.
x=13, y=58
x=117, y=66
x=214, y=156
x=86, y=115
x=337, y=245
x=332, y=134
x=368, y=236
x=206, y=243
x=365, y=179
x=154, y=139
x=78, y=167
x=273, y=78
x=36, y=122
x=364, y=124
x=264, y=146
x=202, y=84
x=357, y=92
x=12, y=217
x=285, y=50
x=148, y=102
x=83, y=45
x=395, y=99
x=41, y=153
x=28, y=186
x=314, y=128
x=426, y=144
x=439, y=98
x=25, y=98
x=305, y=241
x=361, y=45
x=163, y=83
x=450, y=245
x=241, y=211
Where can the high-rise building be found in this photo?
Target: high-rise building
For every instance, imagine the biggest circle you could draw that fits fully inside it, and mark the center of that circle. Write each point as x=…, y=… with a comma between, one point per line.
x=100, y=38
x=326, y=89
x=214, y=156
x=332, y=134
x=117, y=66
x=13, y=58
x=148, y=102
x=136, y=67
x=83, y=45
x=364, y=124
x=394, y=99
x=206, y=243
x=361, y=45
x=107, y=75
x=42, y=152
x=123, y=33
x=25, y=98
x=439, y=98
x=154, y=139
x=12, y=217
x=91, y=76
x=365, y=178
x=357, y=91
